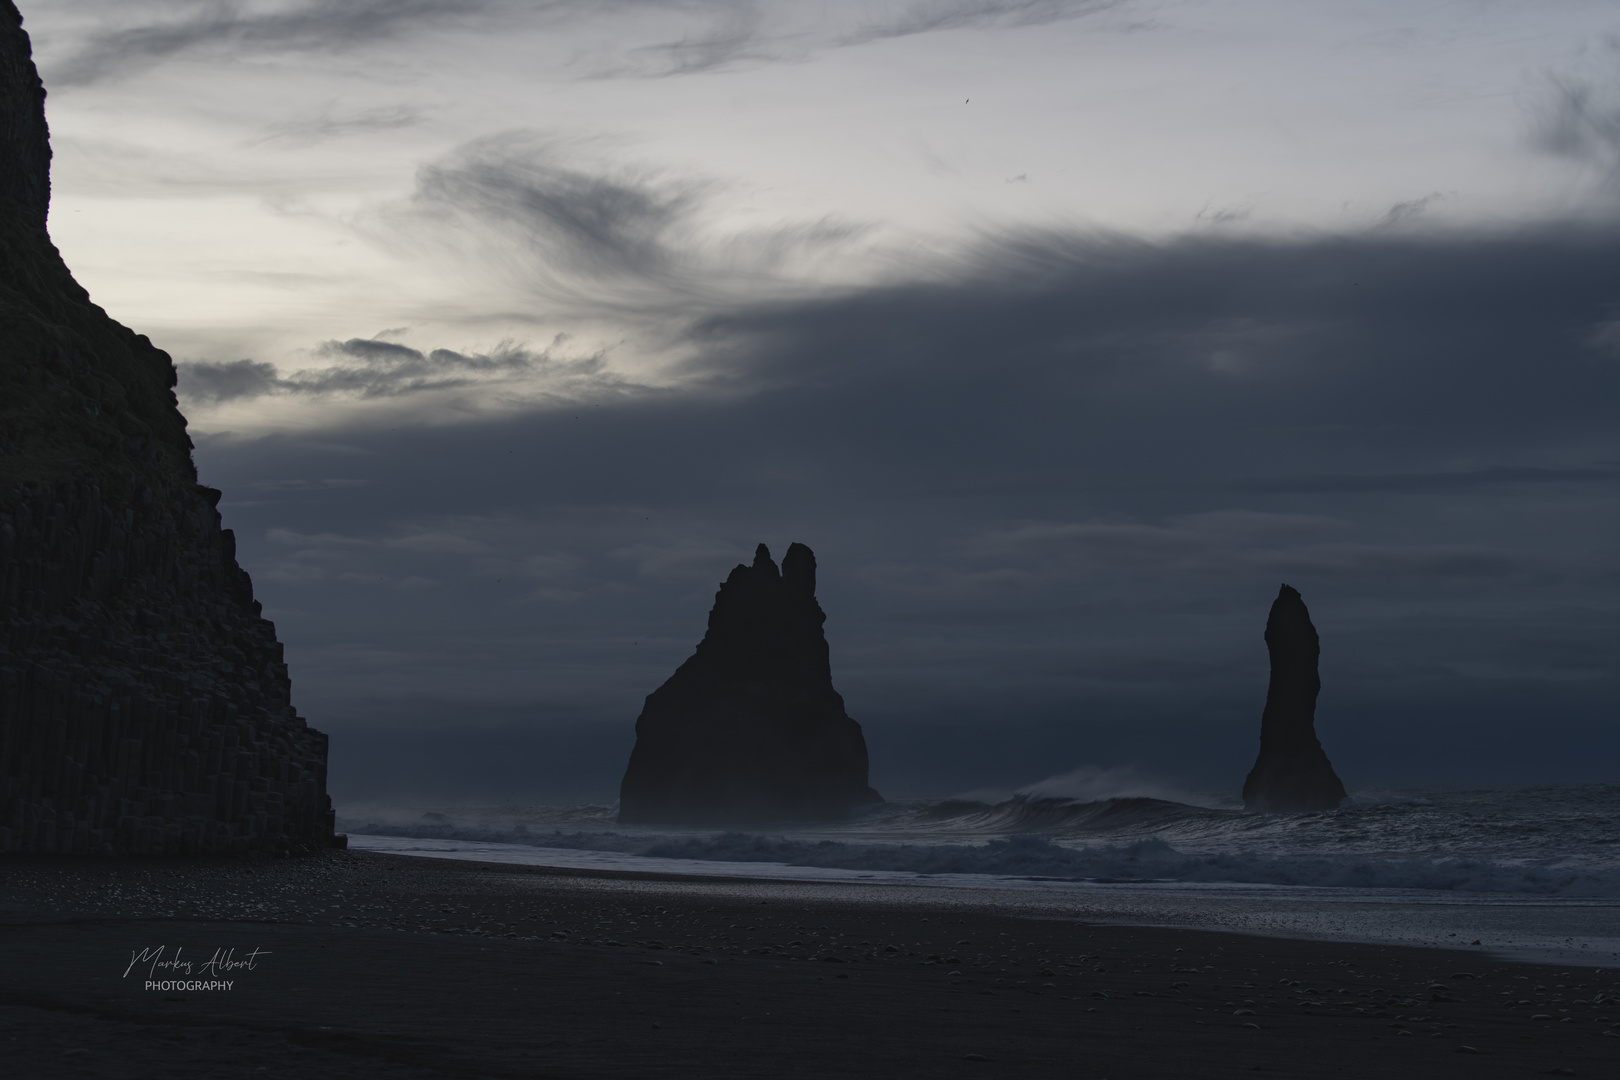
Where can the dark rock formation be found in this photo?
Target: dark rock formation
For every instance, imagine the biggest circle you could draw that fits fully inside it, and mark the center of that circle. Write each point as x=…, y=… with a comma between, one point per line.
x=1292, y=773
x=144, y=705
x=750, y=728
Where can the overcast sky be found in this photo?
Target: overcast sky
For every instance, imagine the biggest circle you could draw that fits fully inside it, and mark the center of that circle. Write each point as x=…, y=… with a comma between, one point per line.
x=1063, y=332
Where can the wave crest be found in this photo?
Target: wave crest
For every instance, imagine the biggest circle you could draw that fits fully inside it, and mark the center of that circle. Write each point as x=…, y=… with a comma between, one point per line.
x=1041, y=839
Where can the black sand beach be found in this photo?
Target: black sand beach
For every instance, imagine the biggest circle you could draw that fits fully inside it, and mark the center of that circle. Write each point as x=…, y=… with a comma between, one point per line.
x=386, y=966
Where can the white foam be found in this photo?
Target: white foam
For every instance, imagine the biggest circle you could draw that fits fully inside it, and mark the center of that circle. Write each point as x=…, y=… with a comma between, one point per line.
x=1526, y=842
x=1541, y=928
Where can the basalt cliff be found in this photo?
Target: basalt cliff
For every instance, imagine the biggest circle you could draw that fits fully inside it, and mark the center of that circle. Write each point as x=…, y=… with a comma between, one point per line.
x=750, y=728
x=1293, y=773
x=144, y=704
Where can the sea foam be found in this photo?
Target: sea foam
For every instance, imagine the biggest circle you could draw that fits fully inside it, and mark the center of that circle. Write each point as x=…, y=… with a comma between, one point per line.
x=1548, y=842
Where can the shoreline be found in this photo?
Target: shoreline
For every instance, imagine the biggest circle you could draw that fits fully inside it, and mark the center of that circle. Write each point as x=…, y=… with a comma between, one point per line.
x=429, y=967
x=1511, y=926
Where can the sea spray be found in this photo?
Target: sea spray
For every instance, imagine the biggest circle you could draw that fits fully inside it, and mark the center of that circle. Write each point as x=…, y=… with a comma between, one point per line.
x=1549, y=841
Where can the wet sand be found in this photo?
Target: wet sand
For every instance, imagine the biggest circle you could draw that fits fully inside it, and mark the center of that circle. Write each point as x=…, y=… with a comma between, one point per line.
x=373, y=965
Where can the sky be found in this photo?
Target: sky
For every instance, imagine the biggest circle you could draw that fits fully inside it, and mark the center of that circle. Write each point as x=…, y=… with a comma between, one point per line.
x=1063, y=332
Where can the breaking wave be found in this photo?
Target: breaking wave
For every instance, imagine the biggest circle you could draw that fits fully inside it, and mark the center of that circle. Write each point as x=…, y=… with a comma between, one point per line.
x=1544, y=842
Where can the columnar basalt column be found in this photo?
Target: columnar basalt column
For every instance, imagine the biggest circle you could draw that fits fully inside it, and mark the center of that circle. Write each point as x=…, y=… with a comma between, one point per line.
x=144, y=704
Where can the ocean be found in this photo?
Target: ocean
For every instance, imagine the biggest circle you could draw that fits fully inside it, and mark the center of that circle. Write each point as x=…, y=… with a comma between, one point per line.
x=1524, y=871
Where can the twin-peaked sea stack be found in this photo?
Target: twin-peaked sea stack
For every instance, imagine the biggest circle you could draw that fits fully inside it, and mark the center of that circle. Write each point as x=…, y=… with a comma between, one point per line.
x=144, y=705
x=750, y=728
x=1293, y=773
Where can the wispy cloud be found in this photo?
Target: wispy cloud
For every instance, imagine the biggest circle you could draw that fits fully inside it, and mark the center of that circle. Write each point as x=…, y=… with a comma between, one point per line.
x=624, y=221
x=569, y=218
x=930, y=17
x=743, y=34
x=1577, y=113
x=321, y=25
x=740, y=34
x=1408, y=210
x=330, y=123
x=733, y=31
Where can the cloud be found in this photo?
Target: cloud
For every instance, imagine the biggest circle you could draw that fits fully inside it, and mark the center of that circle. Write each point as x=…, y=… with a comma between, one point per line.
x=323, y=25
x=1575, y=113
x=1047, y=525
x=565, y=218
x=408, y=554
x=205, y=381
x=1385, y=344
x=924, y=18
x=369, y=368
x=439, y=543
x=759, y=33
x=317, y=541
x=1226, y=543
x=1580, y=120
x=1387, y=562
x=1409, y=210
x=327, y=124
x=739, y=35
x=141, y=35
x=301, y=484
x=677, y=559
x=1440, y=481
x=1605, y=337
x=626, y=222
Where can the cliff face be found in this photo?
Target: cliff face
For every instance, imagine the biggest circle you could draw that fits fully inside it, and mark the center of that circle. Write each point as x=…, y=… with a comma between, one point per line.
x=1292, y=773
x=750, y=728
x=144, y=705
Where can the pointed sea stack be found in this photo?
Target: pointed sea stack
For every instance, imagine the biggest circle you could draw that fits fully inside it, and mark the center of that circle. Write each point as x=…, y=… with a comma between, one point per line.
x=1293, y=773
x=750, y=728
x=144, y=705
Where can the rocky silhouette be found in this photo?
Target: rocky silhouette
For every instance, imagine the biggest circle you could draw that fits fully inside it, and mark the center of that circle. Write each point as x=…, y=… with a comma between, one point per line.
x=750, y=728
x=1293, y=773
x=144, y=704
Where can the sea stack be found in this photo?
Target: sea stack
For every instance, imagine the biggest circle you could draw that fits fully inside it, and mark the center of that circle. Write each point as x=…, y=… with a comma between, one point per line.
x=1293, y=773
x=750, y=728
x=144, y=705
